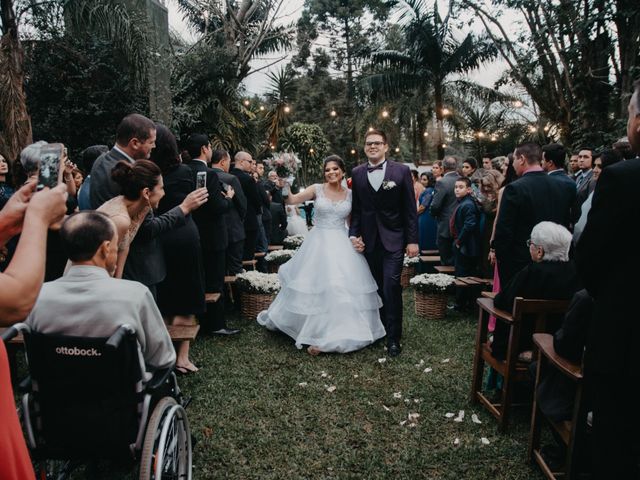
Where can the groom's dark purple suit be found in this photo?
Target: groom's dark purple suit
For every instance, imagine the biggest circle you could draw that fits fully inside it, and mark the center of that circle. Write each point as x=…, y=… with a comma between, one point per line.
x=387, y=221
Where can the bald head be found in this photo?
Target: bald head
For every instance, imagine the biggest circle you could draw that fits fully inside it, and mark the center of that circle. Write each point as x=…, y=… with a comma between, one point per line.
x=83, y=233
x=449, y=164
x=243, y=161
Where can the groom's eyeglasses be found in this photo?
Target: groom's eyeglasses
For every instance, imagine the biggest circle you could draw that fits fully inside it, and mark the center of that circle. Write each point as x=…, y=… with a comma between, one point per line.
x=374, y=144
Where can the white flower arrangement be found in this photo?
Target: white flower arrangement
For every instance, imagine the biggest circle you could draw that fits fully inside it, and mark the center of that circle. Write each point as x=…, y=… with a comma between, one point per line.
x=409, y=261
x=293, y=242
x=258, y=282
x=279, y=256
x=388, y=184
x=432, y=282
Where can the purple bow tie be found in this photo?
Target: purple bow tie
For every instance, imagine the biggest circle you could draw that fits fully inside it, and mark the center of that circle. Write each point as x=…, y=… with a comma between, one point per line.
x=371, y=168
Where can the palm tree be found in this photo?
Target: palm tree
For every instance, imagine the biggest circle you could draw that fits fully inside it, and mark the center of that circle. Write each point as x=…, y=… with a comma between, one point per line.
x=430, y=64
x=111, y=20
x=281, y=89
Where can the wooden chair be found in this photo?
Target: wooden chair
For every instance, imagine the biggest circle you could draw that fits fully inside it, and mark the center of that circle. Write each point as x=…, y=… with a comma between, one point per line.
x=524, y=310
x=249, y=264
x=271, y=248
x=573, y=432
x=450, y=269
x=429, y=252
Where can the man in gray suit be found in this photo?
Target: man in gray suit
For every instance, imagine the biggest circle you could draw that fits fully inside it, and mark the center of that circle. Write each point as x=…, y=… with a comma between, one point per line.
x=221, y=162
x=135, y=138
x=442, y=206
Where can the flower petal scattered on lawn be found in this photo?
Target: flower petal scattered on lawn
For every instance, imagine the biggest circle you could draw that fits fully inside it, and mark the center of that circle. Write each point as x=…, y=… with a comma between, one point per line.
x=421, y=363
x=460, y=416
x=302, y=384
x=475, y=419
x=428, y=370
x=456, y=442
x=412, y=417
x=402, y=423
x=449, y=415
x=355, y=376
x=485, y=441
x=382, y=360
x=407, y=401
x=417, y=400
x=387, y=409
x=331, y=389
x=397, y=395
x=446, y=360
x=324, y=374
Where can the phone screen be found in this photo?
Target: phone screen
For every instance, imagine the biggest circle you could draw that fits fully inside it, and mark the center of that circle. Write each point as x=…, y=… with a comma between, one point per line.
x=50, y=166
x=201, y=179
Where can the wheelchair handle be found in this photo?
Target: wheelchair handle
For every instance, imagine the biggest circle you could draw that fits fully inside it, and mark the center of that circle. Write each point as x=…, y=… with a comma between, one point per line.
x=13, y=331
x=116, y=339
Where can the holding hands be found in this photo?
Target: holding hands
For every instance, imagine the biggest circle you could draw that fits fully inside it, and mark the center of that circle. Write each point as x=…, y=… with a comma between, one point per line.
x=358, y=244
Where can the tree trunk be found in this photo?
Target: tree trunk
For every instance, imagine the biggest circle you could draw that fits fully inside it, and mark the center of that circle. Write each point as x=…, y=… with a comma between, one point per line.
x=437, y=92
x=13, y=103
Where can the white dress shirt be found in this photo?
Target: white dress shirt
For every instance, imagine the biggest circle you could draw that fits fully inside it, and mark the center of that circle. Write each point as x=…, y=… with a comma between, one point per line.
x=377, y=176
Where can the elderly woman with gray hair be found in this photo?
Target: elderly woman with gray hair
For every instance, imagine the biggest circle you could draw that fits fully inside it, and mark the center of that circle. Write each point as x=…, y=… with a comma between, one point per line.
x=549, y=276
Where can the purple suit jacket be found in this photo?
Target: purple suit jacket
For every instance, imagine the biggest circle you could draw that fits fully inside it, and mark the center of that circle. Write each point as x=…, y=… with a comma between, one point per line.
x=389, y=214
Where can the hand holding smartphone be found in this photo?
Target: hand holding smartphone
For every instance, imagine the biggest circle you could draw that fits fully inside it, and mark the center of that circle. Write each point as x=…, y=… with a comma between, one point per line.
x=51, y=165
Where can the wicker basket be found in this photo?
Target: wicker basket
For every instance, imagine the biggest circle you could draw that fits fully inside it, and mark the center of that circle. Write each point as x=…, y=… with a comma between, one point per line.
x=251, y=304
x=407, y=272
x=430, y=305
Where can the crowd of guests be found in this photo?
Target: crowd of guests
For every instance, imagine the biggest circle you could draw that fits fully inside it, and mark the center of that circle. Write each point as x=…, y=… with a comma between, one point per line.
x=143, y=242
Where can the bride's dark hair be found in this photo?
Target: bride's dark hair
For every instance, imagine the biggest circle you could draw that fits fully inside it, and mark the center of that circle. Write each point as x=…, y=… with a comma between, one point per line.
x=334, y=158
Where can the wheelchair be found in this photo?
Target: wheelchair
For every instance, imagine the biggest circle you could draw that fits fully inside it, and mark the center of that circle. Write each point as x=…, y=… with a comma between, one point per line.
x=90, y=399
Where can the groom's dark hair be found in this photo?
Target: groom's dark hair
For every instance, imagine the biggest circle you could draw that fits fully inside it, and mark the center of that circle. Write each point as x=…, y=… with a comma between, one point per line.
x=374, y=131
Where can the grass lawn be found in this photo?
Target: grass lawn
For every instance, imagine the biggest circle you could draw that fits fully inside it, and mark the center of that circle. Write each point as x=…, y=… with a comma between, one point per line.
x=262, y=409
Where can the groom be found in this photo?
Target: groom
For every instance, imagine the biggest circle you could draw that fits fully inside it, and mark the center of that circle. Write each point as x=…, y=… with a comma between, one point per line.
x=384, y=223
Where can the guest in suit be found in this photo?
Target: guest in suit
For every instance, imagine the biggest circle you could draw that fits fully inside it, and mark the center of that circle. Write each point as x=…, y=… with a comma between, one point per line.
x=242, y=169
x=465, y=230
x=278, y=223
x=612, y=360
x=574, y=169
x=553, y=162
x=585, y=182
x=221, y=163
x=549, y=276
x=135, y=138
x=87, y=158
x=533, y=198
x=214, y=236
x=442, y=207
x=384, y=225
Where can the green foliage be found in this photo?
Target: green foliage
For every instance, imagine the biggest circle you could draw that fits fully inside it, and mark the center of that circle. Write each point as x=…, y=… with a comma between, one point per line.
x=309, y=142
x=78, y=89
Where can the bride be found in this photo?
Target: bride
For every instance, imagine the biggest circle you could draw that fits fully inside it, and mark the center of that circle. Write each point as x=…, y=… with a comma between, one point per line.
x=328, y=299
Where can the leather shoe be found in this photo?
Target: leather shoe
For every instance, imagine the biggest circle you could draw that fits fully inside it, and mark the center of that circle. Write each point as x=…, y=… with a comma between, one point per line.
x=226, y=331
x=394, y=349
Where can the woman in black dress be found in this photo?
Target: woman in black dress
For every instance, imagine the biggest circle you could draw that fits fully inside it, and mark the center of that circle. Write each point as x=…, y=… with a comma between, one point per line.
x=181, y=293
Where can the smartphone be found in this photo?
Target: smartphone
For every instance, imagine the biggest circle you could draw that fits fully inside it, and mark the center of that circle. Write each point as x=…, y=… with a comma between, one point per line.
x=201, y=179
x=225, y=187
x=50, y=171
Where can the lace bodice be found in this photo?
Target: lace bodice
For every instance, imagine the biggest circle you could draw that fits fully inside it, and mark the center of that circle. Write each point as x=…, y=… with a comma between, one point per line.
x=329, y=213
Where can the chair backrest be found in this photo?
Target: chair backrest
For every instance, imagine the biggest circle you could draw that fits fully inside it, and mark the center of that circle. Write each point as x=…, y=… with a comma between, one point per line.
x=85, y=394
x=541, y=310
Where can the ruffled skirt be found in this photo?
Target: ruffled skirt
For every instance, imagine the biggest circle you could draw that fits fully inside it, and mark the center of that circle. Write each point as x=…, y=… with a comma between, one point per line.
x=328, y=297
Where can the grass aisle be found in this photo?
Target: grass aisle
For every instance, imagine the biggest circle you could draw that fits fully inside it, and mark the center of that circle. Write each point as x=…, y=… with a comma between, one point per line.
x=262, y=409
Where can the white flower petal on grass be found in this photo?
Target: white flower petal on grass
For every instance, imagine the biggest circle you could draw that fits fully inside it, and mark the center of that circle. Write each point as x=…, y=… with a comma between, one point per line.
x=355, y=376
x=407, y=401
x=387, y=409
x=420, y=364
x=446, y=360
x=456, y=442
x=449, y=415
x=331, y=389
x=402, y=423
x=382, y=360
x=397, y=395
x=460, y=416
x=413, y=425
x=485, y=441
x=428, y=370
x=413, y=417
x=417, y=400
x=302, y=384
x=324, y=374
x=475, y=419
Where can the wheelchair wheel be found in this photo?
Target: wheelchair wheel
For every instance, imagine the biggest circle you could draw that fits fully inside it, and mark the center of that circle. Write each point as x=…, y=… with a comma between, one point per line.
x=166, y=452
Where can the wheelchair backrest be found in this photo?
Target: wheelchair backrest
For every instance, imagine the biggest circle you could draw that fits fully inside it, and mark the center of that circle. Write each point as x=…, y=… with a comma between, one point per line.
x=85, y=393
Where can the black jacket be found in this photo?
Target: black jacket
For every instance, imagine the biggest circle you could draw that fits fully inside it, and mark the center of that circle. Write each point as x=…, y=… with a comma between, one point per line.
x=102, y=187
x=250, y=189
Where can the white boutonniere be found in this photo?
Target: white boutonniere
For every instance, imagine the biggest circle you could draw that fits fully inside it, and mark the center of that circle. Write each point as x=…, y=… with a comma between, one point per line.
x=388, y=184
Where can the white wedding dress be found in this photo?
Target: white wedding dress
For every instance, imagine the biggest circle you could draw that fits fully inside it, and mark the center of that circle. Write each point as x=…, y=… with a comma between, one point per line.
x=328, y=297
x=296, y=225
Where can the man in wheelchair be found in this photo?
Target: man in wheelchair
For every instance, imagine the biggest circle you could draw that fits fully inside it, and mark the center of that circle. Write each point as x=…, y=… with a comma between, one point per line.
x=88, y=302
x=101, y=367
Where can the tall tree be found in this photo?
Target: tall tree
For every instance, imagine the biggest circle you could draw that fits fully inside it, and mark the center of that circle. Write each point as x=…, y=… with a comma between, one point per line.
x=564, y=56
x=430, y=63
